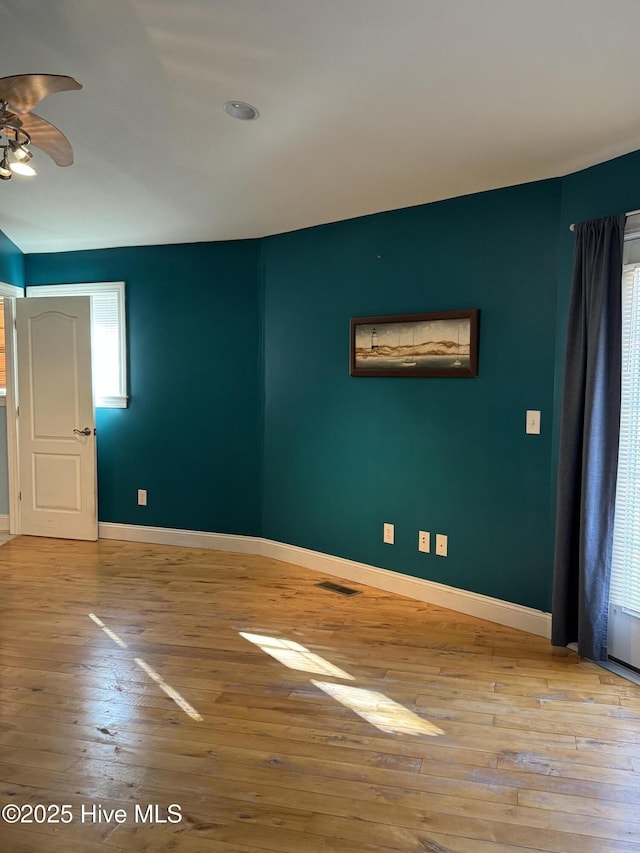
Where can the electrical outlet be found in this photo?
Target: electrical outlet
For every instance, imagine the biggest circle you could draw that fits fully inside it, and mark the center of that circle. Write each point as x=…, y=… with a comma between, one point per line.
x=142, y=497
x=441, y=544
x=388, y=533
x=424, y=541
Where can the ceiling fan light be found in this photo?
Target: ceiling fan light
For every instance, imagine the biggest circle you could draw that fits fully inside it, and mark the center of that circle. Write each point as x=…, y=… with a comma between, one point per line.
x=23, y=169
x=5, y=168
x=20, y=152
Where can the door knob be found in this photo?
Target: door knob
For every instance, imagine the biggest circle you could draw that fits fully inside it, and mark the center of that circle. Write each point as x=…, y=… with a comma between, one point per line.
x=85, y=431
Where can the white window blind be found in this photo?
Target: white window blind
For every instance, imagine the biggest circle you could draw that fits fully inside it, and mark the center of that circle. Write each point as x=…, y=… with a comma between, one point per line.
x=105, y=330
x=108, y=336
x=625, y=570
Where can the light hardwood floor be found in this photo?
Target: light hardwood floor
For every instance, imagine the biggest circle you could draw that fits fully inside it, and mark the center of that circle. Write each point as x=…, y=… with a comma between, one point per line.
x=310, y=723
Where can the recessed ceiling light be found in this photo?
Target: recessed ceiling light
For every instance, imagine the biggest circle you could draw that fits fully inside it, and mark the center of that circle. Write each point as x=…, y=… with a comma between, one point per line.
x=240, y=110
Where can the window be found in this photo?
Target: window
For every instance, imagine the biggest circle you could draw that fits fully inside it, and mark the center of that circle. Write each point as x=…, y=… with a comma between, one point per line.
x=625, y=567
x=108, y=338
x=11, y=292
x=625, y=570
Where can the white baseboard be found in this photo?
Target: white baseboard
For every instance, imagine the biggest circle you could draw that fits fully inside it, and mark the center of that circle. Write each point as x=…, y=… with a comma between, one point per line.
x=4, y=523
x=184, y=538
x=471, y=603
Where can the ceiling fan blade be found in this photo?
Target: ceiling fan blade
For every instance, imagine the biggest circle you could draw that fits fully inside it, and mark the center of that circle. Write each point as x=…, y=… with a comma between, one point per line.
x=49, y=139
x=24, y=91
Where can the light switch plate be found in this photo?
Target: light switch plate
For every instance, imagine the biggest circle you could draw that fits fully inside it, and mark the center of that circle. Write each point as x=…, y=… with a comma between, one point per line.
x=533, y=422
x=441, y=544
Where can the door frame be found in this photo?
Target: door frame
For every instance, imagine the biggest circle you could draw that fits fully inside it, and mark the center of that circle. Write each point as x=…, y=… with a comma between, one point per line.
x=15, y=524
x=10, y=292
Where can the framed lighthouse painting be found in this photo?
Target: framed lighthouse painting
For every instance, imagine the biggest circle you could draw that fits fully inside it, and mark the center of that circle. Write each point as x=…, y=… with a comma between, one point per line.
x=444, y=344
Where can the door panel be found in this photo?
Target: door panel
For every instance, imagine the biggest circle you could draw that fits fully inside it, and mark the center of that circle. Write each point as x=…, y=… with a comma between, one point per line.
x=57, y=465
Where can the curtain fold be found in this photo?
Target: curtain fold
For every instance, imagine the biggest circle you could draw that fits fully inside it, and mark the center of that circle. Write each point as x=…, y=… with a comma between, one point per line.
x=588, y=454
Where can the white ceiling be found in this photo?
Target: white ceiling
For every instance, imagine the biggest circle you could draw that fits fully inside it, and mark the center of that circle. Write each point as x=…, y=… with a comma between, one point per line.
x=366, y=105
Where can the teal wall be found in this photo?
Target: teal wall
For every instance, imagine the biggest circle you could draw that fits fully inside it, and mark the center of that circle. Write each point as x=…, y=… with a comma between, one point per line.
x=343, y=455
x=11, y=262
x=190, y=435
x=607, y=189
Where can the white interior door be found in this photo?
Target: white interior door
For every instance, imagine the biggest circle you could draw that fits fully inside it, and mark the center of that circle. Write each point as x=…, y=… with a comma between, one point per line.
x=56, y=426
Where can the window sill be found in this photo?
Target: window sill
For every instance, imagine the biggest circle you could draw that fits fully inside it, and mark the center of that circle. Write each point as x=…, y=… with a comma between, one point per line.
x=101, y=402
x=112, y=402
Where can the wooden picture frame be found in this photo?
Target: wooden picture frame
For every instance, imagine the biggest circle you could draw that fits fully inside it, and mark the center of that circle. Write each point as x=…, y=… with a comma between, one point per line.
x=441, y=344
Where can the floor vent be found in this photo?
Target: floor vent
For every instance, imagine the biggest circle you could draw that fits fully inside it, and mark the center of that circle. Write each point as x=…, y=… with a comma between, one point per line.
x=336, y=587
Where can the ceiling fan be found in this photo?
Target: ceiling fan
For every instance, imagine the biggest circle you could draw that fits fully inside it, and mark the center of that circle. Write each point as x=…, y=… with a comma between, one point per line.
x=20, y=128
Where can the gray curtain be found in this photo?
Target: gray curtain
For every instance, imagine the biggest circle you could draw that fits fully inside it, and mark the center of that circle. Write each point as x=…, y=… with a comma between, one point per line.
x=587, y=467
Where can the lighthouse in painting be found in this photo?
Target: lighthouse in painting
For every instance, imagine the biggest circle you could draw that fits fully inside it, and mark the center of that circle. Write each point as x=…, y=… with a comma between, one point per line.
x=374, y=340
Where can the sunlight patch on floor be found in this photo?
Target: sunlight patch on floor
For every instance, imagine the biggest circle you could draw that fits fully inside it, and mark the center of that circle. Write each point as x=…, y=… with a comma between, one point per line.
x=379, y=710
x=295, y=656
x=111, y=634
x=374, y=707
x=170, y=691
